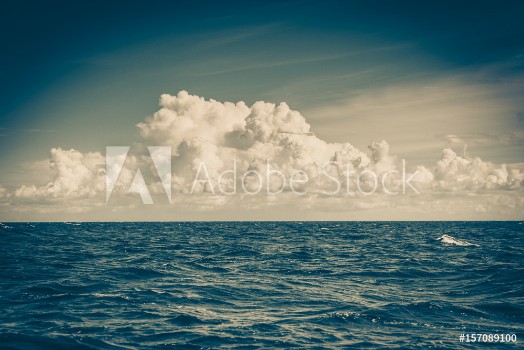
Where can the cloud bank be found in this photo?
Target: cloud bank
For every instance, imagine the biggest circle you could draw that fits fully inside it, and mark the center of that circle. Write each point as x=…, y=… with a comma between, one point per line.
x=267, y=137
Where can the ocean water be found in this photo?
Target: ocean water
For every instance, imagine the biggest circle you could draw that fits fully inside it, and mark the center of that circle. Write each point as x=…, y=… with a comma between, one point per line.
x=254, y=285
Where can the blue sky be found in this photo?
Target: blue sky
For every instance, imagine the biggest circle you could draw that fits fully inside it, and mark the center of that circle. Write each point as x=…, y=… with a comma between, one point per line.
x=58, y=51
x=82, y=74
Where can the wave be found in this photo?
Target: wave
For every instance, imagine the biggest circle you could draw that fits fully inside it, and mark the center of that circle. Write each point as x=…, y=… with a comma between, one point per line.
x=446, y=239
x=265, y=284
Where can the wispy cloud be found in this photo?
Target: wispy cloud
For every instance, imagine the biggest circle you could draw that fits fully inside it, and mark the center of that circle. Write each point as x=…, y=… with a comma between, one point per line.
x=300, y=60
x=8, y=131
x=413, y=115
x=502, y=138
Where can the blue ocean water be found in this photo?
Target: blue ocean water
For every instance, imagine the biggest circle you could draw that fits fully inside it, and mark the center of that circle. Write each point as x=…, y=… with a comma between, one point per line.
x=259, y=284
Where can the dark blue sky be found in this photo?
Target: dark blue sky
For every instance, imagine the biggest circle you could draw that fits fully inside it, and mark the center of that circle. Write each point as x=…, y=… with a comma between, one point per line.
x=67, y=66
x=43, y=41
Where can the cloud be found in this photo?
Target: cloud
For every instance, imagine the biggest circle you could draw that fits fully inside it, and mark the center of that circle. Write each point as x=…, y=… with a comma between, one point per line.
x=455, y=173
x=502, y=138
x=3, y=192
x=261, y=137
x=276, y=142
x=76, y=175
x=420, y=112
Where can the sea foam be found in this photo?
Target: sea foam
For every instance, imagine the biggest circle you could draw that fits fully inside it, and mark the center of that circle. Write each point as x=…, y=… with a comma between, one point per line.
x=452, y=240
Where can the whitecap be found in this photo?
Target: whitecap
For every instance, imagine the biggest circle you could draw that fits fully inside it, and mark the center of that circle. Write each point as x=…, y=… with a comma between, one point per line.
x=452, y=240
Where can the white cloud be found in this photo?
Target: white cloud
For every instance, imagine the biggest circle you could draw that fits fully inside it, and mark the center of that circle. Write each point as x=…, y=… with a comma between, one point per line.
x=454, y=173
x=76, y=175
x=264, y=137
x=219, y=133
x=187, y=116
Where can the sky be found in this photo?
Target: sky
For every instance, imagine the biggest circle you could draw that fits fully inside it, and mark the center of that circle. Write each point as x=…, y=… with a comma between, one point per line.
x=437, y=84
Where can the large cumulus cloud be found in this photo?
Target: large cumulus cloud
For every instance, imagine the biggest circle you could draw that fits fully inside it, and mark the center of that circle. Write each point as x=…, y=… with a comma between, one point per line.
x=217, y=134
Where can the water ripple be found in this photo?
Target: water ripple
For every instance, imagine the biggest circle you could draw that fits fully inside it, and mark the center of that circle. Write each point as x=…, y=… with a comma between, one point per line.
x=258, y=285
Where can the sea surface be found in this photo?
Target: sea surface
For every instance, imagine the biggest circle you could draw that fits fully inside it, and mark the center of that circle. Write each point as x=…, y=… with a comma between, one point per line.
x=247, y=285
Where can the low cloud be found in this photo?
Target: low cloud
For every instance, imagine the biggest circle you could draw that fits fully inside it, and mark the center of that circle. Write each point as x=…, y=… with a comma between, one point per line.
x=76, y=175
x=262, y=137
x=456, y=173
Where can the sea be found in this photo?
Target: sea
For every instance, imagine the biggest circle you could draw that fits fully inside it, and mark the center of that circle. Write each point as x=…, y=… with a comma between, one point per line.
x=261, y=285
